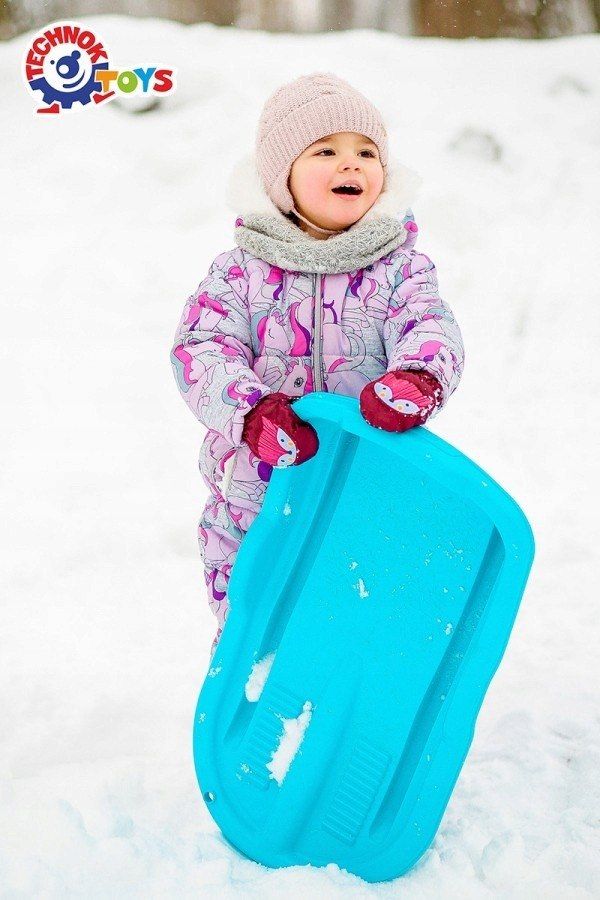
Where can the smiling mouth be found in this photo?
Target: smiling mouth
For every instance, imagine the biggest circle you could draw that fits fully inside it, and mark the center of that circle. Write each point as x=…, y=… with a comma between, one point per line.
x=348, y=191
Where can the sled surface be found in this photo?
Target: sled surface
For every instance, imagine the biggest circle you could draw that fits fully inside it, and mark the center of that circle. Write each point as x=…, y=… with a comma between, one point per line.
x=384, y=575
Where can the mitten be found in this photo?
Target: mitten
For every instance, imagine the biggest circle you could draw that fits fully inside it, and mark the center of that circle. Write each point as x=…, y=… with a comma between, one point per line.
x=400, y=399
x=276, y=434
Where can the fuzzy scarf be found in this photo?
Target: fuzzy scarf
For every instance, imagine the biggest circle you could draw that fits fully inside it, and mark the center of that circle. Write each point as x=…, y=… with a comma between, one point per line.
x=263, y=230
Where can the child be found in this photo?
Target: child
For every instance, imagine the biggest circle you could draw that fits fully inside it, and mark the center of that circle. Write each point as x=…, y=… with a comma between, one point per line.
x=323, y=292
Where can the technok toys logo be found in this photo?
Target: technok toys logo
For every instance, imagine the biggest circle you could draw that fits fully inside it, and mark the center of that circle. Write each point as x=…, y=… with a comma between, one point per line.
x=68, y=64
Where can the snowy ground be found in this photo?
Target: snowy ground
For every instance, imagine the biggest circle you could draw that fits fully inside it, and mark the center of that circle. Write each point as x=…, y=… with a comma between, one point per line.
x=109, y=221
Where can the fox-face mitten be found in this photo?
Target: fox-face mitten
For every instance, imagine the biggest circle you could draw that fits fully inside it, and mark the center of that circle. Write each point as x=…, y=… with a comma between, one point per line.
x=400, y=399
x=276, y=434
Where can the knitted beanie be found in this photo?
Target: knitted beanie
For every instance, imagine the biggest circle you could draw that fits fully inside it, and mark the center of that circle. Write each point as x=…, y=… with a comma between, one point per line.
x=301, y=112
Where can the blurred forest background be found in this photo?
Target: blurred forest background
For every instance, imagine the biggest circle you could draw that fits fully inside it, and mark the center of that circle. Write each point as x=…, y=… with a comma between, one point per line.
x=425, y=18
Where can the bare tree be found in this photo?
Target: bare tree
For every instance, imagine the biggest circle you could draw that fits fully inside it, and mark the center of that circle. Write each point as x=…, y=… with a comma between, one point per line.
x=502, y=18
x=275, y=15
x=337, y=15
x=461, y=18
x=220, y=12
x=436, y=18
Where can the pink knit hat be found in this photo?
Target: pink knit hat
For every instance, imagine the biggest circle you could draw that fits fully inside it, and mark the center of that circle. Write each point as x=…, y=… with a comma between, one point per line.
x=298, y=114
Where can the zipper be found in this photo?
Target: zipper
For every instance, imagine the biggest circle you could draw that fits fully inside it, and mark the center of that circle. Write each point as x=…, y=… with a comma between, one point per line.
x=317, y=334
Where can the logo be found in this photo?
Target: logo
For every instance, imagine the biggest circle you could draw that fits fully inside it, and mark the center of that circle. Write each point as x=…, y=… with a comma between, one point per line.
x=67, y=64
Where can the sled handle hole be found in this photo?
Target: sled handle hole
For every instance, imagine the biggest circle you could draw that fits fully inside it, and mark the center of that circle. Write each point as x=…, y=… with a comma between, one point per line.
x=209, y=797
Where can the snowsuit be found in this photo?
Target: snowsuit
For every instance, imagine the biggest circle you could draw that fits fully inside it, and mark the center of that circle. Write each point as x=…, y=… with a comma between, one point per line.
x=253, y=327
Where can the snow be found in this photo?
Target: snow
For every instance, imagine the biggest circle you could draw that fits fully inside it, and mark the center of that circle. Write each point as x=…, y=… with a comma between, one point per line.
x=289, y=743
x=110, y=221
x=360, y=587
x=258, y=676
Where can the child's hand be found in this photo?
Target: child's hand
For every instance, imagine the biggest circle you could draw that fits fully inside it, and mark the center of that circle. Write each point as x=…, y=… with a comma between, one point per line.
x=399, y=400
x=277, y=435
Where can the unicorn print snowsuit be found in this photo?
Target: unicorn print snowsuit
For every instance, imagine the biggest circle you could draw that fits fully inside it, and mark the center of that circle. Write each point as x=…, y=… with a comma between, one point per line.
x=285, y=312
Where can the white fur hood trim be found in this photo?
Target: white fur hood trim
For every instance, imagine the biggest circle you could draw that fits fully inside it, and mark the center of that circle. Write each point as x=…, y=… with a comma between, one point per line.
x=245, y=194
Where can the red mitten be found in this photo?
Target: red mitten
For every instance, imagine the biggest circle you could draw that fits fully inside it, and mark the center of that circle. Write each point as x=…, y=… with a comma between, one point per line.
x=399, y=400
x=276, y=434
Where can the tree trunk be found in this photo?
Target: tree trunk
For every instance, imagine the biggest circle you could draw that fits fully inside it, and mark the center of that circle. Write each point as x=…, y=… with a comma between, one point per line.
x=499, y=18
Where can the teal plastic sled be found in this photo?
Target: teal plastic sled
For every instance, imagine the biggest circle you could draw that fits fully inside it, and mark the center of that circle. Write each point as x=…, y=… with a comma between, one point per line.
x=376, y=590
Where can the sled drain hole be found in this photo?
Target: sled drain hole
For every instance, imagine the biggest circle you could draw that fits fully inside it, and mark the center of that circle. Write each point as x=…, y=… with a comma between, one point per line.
x=209, y=797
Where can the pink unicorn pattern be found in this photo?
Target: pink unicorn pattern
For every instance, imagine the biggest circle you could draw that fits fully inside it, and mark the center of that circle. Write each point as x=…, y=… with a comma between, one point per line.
x=248, y=330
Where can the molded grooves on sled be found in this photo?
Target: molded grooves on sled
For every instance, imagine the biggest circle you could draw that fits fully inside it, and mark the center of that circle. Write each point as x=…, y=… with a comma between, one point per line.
x=354, y=796
x=380, y=580
x=265, y=732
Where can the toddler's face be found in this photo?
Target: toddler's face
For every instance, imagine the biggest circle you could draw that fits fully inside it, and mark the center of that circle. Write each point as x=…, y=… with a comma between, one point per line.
x=344, y=157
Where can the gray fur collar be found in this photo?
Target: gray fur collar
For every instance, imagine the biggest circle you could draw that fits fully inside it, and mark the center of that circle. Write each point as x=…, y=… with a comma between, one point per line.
x=269, y=235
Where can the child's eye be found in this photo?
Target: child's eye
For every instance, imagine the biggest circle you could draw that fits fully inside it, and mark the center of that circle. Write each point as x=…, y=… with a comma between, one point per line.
x=329, y=150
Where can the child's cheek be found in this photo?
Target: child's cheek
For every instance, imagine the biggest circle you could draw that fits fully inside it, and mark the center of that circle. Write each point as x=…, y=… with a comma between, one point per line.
x=317, y=191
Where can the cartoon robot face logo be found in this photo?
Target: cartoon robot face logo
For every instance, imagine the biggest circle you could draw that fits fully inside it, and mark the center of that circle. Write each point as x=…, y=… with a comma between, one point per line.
x=70, y=71
x=68, y=64
x=62, y=63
